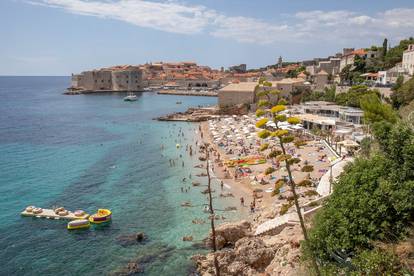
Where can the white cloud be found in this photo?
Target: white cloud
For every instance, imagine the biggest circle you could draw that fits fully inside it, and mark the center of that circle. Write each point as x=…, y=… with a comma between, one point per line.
x=314, y=26
x=167, y=16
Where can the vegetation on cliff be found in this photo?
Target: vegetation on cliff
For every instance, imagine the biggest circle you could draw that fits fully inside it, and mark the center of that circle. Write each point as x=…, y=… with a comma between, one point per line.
x=372, y=203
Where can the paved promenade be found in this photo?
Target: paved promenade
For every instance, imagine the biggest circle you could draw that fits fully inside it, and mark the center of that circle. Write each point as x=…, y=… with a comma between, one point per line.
x=324, y=186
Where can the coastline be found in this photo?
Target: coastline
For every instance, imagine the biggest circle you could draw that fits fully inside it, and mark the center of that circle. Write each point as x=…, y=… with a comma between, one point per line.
x=188, y=93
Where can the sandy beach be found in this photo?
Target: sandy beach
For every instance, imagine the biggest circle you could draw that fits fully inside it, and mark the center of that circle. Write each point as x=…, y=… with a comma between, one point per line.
x=253, y=185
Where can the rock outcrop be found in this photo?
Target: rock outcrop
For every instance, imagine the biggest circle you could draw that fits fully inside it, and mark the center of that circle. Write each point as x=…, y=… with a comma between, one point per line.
x=228, y=234
x=131, y=239
x=246, y=255
x=250, y=256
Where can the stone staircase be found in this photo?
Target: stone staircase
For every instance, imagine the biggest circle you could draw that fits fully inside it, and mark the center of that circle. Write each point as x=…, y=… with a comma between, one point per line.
x=290, y=218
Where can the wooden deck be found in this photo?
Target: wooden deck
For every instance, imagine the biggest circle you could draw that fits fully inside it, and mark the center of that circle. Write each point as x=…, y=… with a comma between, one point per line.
x=50, y=214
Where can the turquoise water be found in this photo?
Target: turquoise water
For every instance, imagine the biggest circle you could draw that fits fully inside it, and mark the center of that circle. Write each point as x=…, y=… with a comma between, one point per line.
x=89, y=152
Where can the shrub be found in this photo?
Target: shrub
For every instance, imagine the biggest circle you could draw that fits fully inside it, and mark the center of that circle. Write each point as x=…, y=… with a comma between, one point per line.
x=364, y=206
x=377, y=262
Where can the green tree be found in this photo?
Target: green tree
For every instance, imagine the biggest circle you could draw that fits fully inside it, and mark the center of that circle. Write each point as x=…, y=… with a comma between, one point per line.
x=345, y=74
x=375, y=110
x=359, y=64
x=330, y=93
x=353, y=96
x=404, y=94
x=398, y=83
x=394, y=55
x=373, y=200
x=384, y=48
x=366, y=146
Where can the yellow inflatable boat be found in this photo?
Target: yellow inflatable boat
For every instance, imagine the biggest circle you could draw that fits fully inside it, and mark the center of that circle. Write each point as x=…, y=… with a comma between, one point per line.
x=78, y=224
x=103, y=215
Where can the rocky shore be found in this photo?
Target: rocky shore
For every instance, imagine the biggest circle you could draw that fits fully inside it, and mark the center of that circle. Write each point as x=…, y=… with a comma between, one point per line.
x=188, y=93
x=244, y=254
x=191, y=115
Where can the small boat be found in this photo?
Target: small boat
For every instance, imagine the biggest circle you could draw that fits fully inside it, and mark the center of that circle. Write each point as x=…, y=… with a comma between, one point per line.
x=103, y=215
x=131, y=97
x=78, y=224
x=178, y=102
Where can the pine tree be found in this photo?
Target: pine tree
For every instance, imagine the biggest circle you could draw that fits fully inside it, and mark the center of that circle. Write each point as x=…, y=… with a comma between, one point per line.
x=384, y=48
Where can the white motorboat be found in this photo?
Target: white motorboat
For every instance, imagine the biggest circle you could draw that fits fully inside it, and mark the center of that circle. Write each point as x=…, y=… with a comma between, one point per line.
x=131, y=97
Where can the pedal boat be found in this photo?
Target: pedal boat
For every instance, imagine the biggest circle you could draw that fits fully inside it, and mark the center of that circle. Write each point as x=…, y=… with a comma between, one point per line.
x=103, y=215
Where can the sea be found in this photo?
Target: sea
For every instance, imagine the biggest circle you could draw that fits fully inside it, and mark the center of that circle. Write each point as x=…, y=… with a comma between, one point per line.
x=97, y=151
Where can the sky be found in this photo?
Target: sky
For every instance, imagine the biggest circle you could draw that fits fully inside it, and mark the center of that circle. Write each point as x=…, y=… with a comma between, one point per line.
x=60, y=37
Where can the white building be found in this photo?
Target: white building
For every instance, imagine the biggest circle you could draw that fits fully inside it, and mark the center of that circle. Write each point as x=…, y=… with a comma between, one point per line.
x=408, y=60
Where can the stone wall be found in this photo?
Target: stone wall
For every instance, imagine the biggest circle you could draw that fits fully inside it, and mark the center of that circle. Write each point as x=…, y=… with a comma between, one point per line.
x=229, y=98
x=127, y=80
x=104, y=80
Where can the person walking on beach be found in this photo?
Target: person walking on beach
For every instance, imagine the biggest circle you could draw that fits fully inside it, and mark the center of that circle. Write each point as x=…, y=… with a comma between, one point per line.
x=222, y=185
x=242, y=201
x=252, y=207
